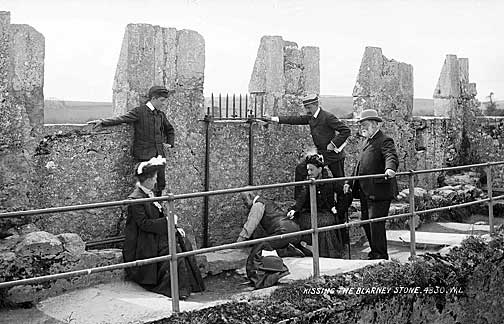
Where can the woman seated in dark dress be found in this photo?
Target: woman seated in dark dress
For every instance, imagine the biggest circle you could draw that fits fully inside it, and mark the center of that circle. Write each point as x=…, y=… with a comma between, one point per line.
x=146, y=237
x=330, y=242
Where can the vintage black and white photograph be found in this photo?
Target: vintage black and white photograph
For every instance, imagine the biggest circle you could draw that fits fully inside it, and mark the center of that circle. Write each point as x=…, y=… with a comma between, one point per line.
x=254, y=161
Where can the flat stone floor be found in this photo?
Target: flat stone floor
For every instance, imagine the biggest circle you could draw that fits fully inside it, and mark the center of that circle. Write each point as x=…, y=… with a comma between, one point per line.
x=126, y=302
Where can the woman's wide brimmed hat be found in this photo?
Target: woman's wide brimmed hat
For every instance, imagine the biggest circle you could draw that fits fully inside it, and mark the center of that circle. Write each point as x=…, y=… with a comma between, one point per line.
x=369, y=114
x=152, y=165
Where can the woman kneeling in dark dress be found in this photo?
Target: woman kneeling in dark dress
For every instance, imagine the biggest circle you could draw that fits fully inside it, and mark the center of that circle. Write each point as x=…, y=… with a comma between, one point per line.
x=146, y=237
x=330, y=242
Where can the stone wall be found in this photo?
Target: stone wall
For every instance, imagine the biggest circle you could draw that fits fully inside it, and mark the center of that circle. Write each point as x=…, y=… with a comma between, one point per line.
x=21, y=113
x=387, y=86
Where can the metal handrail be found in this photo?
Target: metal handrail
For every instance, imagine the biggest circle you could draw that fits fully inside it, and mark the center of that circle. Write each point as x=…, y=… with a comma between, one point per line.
x=173, y=256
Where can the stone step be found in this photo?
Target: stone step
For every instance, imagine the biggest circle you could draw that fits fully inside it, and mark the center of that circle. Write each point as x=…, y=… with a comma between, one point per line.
x=426, y=239
x=464, y=227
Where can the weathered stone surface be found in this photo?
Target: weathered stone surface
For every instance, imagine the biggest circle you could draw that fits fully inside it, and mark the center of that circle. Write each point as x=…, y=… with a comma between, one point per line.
x=190, y=59
x=28, y=48
x=72, y=243
x=223, y=260
x=443, y=106
x=40, y=244
x=268, y=72
x=311, y=69
x=154, y=55
x=448, y=85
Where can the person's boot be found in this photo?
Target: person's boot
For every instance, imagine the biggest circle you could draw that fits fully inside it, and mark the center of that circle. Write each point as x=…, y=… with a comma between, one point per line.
x=304, y=248
x=290, y=251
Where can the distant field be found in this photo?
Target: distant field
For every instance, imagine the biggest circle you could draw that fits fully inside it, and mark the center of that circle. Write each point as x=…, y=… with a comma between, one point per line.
x=75, y=112
x=79, y=112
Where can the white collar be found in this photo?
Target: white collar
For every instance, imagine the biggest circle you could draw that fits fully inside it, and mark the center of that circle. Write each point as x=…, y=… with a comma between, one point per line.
x=149, y=104
x=255, y=199
x=315, y=115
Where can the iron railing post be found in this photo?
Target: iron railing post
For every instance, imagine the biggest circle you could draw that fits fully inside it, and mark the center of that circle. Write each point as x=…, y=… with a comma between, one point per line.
x=490, y=198
x=251, y=151
x=314, y=225
x=173, y=252
x=412, y=214
x=206, y=199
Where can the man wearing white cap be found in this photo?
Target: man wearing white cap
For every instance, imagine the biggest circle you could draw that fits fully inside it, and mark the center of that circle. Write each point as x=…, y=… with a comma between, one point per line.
x=328, y=132
x=378, y=156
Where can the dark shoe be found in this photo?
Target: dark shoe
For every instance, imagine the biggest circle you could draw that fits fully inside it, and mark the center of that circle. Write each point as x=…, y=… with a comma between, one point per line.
x=290, y=251
x=305, y=251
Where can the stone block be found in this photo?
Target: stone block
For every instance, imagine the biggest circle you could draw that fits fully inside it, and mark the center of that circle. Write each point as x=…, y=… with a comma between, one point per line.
x=190, y=62
x=228, y=259
x=268, y=72
x=311, y=69
x=39, y=244
x=165, y=60
x=72, y=243
x=444, y=107
x=463, y=70
x=448, y=85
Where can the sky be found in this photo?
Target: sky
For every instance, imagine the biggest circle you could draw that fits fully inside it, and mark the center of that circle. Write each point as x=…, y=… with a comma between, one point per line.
x=83, y=38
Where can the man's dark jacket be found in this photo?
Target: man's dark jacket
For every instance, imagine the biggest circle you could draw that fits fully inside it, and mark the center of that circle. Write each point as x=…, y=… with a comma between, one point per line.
x=146, y=235
x=274, y=220
x=324, y=129
x=378, y=154
x=152, y=129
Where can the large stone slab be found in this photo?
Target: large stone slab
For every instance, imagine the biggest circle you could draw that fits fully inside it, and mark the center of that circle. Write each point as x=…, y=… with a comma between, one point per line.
x=228, y=259
x=448, y=85
x=427, y=239
x=302, y=268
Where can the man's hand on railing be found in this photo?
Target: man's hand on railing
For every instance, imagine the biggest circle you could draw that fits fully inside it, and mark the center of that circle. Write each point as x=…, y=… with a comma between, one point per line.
x=269, y=119
x=96, y=123
x=389, y=173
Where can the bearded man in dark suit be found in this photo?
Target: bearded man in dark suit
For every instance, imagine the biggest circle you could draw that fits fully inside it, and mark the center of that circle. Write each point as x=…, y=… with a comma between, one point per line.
x=378, y=156
x=152, y=130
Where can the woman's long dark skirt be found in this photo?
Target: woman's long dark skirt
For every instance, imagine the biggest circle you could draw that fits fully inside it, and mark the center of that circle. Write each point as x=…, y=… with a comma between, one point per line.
x=330, y=242
x=189, y=276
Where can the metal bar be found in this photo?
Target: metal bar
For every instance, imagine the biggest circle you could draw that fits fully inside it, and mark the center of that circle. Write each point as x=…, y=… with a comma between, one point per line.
x=227, y=105
x=246, y=105
x=206, y=199
x=213, y=106
x=180, y=196
x=262, y=105
x=251, y=153
x=255, y=106
x=412, y=215
x=490, y=198
x=234, y=106
x=241, y=106
x=314, y=226
x=172, y=245
x=220, y=105
x=109, y=240
x=224, y=246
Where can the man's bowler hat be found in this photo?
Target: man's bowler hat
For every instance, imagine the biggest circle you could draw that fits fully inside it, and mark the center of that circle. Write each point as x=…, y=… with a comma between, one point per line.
x=272, y=263
x=369, y=114
x=160, y=91
x=309, y=99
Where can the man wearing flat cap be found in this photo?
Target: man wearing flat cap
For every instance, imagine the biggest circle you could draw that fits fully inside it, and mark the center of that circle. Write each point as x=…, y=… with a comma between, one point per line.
x=328, y=132
x=152, y=130
x=378, y=156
